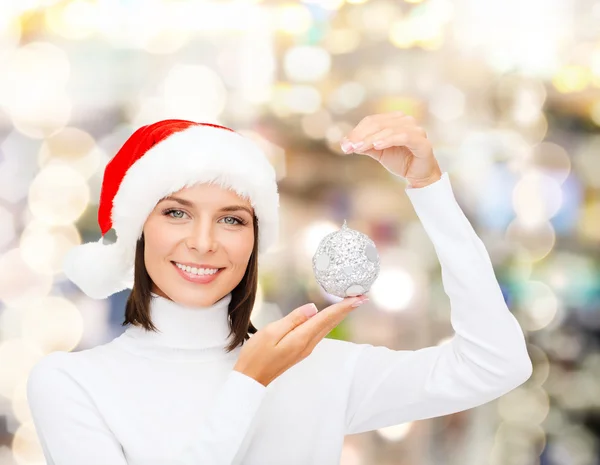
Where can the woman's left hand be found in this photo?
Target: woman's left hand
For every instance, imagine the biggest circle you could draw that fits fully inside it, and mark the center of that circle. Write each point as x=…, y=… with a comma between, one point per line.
x=395, y=141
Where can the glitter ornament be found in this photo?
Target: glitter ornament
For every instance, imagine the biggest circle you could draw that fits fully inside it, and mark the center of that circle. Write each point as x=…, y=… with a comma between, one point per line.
x=346, y=262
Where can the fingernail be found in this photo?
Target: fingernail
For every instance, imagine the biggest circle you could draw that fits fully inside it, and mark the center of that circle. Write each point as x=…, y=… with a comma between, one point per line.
x=309, y=309
x=346, y=146
x=357, y=145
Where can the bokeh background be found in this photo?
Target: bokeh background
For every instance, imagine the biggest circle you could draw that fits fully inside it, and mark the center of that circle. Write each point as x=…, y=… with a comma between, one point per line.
x=508, y=91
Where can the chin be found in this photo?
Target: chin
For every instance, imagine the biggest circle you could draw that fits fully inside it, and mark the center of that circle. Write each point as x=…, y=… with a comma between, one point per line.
x=194, y=296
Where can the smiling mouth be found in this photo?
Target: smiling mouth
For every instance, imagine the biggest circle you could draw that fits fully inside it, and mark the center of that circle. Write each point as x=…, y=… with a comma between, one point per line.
x=199, y=274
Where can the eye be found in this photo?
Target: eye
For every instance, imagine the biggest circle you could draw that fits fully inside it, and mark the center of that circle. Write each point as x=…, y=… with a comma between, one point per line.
x=239, y=221
x=173, y=210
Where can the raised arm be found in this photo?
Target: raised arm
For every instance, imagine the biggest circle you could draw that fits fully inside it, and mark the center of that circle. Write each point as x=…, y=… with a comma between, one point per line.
x=72, y=431
x=486, y=358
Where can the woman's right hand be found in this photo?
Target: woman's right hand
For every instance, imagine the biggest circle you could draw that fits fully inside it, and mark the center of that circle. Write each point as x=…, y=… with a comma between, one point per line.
x=283, y=343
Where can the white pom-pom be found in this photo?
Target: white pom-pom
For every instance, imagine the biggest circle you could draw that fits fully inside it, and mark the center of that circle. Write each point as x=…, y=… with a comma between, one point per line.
x=98, y=269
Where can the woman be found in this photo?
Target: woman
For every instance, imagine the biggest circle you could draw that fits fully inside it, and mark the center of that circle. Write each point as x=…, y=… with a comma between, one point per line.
x=186, y=383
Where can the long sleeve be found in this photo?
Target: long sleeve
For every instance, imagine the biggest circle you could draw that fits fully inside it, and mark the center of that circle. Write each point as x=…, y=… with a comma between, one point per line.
x=72, y=431
x=487, y=356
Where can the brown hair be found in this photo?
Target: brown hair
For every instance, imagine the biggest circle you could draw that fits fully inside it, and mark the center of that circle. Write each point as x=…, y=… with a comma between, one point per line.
x=242, y=298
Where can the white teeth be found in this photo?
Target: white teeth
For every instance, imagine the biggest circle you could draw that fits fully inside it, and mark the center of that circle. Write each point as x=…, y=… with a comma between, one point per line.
x=197, y=271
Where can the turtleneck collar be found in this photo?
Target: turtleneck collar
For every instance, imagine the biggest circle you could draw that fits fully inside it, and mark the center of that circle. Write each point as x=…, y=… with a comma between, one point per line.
x=183, y=332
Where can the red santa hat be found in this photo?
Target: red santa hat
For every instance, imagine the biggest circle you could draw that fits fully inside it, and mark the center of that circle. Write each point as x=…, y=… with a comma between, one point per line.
x=157, y=160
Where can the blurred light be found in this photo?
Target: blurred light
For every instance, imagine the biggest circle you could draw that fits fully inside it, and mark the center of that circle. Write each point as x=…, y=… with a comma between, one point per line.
x=595, y=112
x=41, y=118
x=474, y=166
x=541, y=365
x=314, y=234
x=278, y=104
x=53, y=323
x=534, y=44
x=535, y=131
x=574, y=444
x=551, y=159
x=334, y=135
x=572, y=78
x=524, y=405
x=573, y=277
x=493, y=204
x=74, y=20
x=26, y=447
x=58, y=195
x=18, y=166
x=167, y=41
x=346, y=97
x=73, y=147
x=408, y=105
x=326, y=4
x=21, y=77
x=341, y=40
x=536, y=241
x=20, y=405
x=374, y=19
x=302, y=99
x=414, y=238
x=517, y=443
x=586, y=161
x=536, y=198
x=7, y=226
x=555, y=421
x=10, y=32
x=526, y=111
x=250, y=68
x=520, y=97
x=561, y=346
x=306, y=63
x=316, y=124
x=393, y=290
x=37, y=107
x=589, y=222
x=395, y=432
x=194, y=92
x=292, y=18
x=17, y=357
x=595, y=62
x=521, y=265
x=539, y=305
x=274, y=153
x=447, y=103
x=401, y=34
x=43, y=246
x=422, y=26
x=20, y=283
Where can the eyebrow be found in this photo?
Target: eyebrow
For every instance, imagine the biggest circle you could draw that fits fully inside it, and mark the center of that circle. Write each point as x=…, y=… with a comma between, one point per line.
x=187, y=203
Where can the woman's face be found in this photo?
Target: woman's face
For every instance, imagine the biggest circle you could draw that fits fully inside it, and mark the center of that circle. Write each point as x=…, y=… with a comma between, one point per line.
x=192, y=227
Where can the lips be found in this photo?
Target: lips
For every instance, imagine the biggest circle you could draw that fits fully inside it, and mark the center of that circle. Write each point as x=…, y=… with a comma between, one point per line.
x=197, y=279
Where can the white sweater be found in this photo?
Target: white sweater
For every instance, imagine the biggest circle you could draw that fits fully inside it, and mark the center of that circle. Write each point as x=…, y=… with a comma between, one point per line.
x=173, y=397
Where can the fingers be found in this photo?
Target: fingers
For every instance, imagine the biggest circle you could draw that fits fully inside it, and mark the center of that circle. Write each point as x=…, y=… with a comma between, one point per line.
x=280, y=328
x=326, y=320
x=382, y=127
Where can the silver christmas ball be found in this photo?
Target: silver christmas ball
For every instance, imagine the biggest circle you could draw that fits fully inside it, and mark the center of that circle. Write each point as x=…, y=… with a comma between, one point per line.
x=346, y=262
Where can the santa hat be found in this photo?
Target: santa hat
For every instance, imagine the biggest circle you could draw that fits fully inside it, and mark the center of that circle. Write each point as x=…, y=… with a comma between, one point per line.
x=157, y=160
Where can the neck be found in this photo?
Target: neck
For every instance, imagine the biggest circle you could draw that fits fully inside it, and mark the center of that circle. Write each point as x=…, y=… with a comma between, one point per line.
x=183, y=331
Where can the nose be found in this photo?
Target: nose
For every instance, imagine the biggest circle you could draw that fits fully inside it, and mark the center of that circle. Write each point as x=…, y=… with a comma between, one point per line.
x=202, y=237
